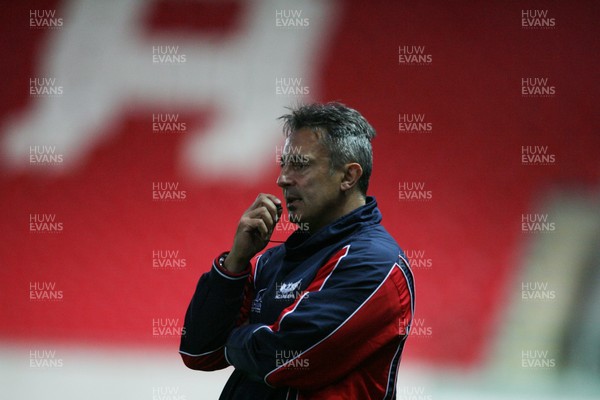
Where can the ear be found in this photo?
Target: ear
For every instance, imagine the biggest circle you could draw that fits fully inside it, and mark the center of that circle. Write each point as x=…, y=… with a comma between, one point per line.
x=352, y=173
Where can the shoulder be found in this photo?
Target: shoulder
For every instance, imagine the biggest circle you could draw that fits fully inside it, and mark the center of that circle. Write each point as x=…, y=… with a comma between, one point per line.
x=375, y=244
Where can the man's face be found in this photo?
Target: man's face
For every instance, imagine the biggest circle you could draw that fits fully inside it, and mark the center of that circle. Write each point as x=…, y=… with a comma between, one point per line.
x=312, y=193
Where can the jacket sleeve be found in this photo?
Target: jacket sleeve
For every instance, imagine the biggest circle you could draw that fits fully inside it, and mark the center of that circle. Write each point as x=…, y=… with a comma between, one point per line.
x=217, y=306
x=357, y=304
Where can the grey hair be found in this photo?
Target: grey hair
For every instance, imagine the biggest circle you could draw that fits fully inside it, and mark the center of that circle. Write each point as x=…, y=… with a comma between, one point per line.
x=346, y=134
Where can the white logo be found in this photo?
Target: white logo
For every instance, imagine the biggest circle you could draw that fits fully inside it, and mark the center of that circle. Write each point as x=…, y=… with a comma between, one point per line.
x=287, y=290
x=257, y=302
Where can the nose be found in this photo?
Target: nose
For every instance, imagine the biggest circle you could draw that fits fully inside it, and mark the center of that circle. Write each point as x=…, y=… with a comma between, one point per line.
x=283, y=180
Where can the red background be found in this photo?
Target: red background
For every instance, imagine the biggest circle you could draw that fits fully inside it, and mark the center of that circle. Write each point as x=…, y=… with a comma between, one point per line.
x=471, y=161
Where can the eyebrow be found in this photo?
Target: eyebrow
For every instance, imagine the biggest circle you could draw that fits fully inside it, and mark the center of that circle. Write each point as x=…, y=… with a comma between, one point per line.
x=292, y=157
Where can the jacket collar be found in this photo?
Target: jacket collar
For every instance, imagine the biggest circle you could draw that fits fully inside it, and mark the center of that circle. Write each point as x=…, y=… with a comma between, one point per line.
x=301, y=244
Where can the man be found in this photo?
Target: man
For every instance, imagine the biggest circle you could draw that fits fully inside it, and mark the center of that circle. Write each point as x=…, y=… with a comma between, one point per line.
x=326, y=314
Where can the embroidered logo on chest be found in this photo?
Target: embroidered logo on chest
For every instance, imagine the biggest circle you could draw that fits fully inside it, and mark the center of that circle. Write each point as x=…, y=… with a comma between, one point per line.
x=287, y=290
x=257, y=302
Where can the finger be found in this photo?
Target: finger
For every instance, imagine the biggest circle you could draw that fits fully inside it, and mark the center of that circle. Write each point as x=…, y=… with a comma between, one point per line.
x=271, y=203
x=271, y=197
x=264, y=214
x=257, y=225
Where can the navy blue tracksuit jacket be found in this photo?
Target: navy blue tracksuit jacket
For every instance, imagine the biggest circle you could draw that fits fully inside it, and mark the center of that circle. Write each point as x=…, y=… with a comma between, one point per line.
x=324, y=316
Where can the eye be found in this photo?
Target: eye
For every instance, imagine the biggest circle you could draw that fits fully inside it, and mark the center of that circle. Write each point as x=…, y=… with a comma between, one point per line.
x=299, y=165
x=296, y=162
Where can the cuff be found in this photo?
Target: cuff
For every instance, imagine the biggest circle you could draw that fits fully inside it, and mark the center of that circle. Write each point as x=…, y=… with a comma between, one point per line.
x=218, y=266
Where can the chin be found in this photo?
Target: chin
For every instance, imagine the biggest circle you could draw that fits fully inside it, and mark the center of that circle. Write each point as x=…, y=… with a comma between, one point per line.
x=294, y=216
